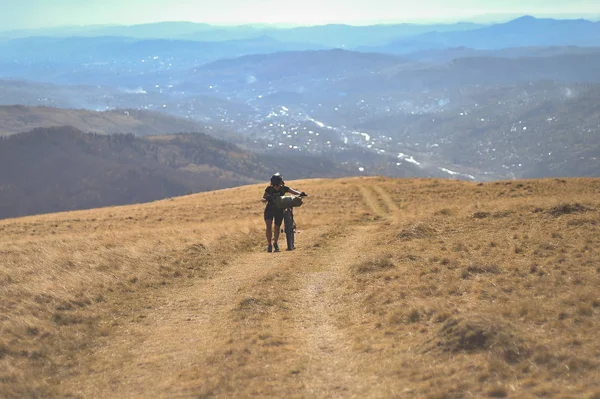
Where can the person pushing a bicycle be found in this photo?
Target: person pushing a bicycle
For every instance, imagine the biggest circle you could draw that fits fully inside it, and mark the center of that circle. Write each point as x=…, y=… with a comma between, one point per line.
x=272, y=212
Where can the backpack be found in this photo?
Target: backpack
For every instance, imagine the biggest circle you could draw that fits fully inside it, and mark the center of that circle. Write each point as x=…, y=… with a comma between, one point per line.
x=287, y=201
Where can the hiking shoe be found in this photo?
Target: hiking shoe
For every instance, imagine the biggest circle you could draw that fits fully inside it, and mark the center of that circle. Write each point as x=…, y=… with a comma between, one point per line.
x=276, y=247
x=270, y=248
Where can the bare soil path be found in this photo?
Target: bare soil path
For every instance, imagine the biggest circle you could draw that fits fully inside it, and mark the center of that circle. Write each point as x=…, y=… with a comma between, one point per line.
x=267, y=324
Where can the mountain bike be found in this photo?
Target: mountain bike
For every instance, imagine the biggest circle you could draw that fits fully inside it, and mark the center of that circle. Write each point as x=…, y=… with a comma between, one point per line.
x=289, y=226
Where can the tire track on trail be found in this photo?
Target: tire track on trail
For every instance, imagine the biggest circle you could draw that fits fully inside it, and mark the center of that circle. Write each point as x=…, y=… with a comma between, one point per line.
x=370, y=199
x=333, y=368
x=379, y=201
x=267, y=325
x=172, y=350
x=387, y=199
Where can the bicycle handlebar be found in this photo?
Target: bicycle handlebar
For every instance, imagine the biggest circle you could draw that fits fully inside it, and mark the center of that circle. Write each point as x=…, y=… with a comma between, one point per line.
x=302, y=194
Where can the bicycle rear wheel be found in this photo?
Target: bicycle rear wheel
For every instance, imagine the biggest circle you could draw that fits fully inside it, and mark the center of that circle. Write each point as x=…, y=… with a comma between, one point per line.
x=288, y=221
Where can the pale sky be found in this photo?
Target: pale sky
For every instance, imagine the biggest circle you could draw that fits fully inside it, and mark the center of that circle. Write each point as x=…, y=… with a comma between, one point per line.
x=25, y=14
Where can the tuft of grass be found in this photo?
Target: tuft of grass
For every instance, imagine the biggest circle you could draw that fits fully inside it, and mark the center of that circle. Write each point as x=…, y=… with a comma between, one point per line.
x=502, y=214
x=445, y=212
x=483, y=269
x=410, y=316
x=414, y=315
x=582, y=222
x=373, y=265
x=416, y=231
x=65, y=319
x=254, y=303
x=477, y=333
x=498, y=392
x=4, y=349
x=568, y=208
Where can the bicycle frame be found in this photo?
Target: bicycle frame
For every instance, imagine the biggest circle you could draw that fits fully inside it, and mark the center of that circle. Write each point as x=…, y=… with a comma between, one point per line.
x=289, y=226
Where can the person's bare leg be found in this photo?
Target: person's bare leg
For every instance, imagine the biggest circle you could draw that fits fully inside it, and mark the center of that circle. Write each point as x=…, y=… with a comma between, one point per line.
x=277, y=230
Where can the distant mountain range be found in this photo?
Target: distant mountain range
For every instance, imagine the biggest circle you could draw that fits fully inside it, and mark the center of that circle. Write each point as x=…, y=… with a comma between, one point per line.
x=478, y=102
x=522, y=32
x=463, y=72
x=445, y=55
x=160, y=53
x=335, y=35
x=345, y=79
x=122, y=60
x=392, y=38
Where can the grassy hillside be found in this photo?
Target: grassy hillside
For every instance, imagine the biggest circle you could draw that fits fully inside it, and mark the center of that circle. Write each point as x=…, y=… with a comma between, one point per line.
x=59, y=169
x=19, y=118
x=408, y=288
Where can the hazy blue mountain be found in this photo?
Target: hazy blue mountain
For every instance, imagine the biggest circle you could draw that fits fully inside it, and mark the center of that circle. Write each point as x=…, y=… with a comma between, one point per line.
x=64, y=50
x=348, y=36
x=341, y=75
x=226, y=33
x=485, y=71
x=394, y=38
x=522, y=32
x=60, y=31
x=122, y=61
x=271, y=76
x=446, y=55
x=121, y=48
x=317, y=64
x=182, y=31
x=333, y=35
x=224, y=41
x=158, y=30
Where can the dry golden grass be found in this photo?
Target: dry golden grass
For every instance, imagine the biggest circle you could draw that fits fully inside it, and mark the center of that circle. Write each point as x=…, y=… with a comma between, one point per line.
x=413, y=288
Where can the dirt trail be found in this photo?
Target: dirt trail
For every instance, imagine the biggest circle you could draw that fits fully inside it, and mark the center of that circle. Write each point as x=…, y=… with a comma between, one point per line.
x=334, y=366
x=373, y=201
x=177, y=347
x=387, y=199
x=180, y=330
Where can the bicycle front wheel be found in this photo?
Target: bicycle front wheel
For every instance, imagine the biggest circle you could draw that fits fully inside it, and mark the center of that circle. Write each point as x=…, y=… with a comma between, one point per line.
x=288, y=221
